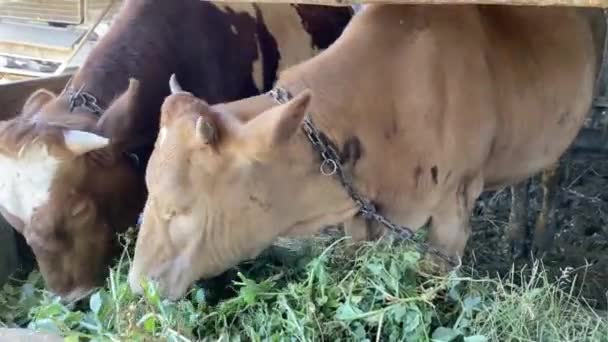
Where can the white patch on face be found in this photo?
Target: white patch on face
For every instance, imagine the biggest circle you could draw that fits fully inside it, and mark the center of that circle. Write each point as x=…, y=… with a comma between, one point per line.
x=258, y=70
x=162, y=135
x=233, y=29
x=25, y=182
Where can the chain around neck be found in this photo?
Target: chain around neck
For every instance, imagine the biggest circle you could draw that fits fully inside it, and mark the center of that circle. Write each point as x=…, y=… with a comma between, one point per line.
x=330, y=165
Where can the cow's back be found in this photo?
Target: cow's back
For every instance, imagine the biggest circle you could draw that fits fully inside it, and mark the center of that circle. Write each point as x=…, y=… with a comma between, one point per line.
x=251, y=44
x=496, y=92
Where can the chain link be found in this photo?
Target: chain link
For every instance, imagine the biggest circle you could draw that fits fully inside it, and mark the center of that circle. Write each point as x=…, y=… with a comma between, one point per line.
x=80, y=98
x=329, y=156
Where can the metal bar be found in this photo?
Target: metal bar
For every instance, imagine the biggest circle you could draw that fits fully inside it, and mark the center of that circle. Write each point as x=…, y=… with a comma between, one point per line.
x=85, y=38
x=23, y=72
x=573, y=3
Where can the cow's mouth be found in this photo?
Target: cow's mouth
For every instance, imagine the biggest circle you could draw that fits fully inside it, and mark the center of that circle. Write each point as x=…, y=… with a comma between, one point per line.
x=76, y=295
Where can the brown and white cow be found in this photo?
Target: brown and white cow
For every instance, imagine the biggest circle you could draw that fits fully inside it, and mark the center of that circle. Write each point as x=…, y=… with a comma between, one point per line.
x=429, y=106
x=68, y=179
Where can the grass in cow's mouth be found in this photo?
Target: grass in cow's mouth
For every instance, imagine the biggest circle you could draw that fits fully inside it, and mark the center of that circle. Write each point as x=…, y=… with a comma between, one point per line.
x=332, y=291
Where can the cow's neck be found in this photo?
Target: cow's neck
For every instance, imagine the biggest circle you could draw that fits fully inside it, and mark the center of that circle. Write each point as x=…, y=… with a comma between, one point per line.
x=332, y=108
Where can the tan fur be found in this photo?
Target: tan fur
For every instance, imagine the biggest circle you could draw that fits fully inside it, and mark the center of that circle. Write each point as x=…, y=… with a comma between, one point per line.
x=72, y=221
x=445, y=100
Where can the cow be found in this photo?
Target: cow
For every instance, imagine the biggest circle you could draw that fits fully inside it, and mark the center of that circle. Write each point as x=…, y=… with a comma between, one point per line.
x=423, y=106
x=72, y=165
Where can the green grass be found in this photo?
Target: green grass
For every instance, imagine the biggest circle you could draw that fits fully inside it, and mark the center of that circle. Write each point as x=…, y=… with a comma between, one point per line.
x=329, y=291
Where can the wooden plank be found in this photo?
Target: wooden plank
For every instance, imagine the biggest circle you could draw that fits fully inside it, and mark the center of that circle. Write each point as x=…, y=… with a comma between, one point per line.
x=13, y=95
x=65, y=11
x=23, y=335
x=573, y=3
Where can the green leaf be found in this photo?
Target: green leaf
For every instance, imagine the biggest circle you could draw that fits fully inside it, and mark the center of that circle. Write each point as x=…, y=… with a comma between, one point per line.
x=359, y=331
x=71, y=338
x=443, y=334
x=73, y=318
x=408, y=260
x=150, y=324
x=476, y=338
x=45, y=325
x=453, y=293
x=50, y=310
x=249, y=292
x=28, y=290
x=470, y=303
x=375, y=268
x=346, y=312
x=98, y=339
x=95, y=303
x=151, y=294
x=395, y=270
x=413, y=319
x=322, y=300
x=399, y=312
x=200, y=297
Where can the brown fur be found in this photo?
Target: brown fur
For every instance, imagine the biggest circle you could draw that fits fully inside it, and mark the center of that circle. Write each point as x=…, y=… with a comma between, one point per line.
x=213, y=51
x=473, y=97
x=544, y=230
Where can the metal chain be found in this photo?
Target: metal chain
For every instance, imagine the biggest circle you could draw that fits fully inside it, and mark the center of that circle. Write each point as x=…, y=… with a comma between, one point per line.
x=330, y=165
x=80, y=98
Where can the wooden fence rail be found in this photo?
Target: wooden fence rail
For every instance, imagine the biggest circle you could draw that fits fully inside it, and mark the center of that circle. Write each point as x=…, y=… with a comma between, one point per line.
x=573, y=3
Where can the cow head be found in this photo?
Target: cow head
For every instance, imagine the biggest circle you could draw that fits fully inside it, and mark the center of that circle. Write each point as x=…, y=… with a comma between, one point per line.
x=67, y=187
x=222, y=189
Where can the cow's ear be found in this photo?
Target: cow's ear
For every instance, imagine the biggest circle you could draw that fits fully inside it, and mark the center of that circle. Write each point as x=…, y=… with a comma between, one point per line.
x=38, y=99
x=278, y=124
x=206, y=132
x=119, y=120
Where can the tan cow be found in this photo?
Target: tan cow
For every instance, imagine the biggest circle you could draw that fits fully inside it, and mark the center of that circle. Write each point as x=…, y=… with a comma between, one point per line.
x=429, y=106
x=68, y=179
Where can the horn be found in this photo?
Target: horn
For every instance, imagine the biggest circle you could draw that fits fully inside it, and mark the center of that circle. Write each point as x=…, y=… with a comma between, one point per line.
x=175, y=87
x=81, y=142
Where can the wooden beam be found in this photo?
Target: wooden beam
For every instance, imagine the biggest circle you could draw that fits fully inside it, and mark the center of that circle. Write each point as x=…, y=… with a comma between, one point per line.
x=572, y=3
x=13, y=95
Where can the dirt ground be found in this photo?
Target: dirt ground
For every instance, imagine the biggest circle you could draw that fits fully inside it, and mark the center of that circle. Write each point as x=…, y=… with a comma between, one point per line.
x=581, y=223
